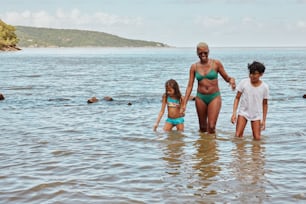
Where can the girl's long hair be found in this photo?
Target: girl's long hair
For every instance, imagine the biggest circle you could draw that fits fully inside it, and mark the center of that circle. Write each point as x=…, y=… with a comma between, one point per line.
x=173, y=84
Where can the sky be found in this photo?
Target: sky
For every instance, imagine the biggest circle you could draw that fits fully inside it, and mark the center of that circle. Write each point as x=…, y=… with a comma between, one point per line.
x=178, y=23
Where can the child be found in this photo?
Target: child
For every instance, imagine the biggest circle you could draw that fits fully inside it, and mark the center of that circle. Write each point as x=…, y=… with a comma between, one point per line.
x=172, y=98
x=254, y=101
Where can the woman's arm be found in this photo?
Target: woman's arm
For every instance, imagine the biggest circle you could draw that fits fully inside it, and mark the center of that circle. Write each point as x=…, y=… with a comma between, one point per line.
x=182, y=111
x=224, y=75
x=188, y=88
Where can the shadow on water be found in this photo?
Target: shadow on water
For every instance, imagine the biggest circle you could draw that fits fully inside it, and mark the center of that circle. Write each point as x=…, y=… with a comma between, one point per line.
x=191, y=164
x=249, y=171
x=173, y=152
x=205, y=166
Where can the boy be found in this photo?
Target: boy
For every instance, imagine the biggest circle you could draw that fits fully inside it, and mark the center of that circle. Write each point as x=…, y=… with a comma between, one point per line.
x=254, y=102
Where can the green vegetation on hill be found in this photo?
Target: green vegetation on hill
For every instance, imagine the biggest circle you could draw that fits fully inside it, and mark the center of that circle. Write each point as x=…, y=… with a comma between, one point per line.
x=8, y=38
x=47, y=37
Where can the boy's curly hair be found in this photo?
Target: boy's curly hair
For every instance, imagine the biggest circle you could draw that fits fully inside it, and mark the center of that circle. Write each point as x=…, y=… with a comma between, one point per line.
x=256, y=66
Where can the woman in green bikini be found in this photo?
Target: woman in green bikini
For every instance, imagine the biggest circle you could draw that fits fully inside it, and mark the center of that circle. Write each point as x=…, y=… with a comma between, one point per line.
x=208, y=99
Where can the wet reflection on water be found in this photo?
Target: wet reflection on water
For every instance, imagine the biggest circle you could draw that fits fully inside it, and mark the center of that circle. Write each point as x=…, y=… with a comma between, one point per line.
x=174, y=151
x=205, y=166
x=249, y=171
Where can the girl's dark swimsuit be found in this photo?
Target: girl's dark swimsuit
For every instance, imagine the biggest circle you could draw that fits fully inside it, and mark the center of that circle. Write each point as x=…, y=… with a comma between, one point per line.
x=211, y=75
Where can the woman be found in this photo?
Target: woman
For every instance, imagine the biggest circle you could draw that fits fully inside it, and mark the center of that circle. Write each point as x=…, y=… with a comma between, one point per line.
x=208, y=98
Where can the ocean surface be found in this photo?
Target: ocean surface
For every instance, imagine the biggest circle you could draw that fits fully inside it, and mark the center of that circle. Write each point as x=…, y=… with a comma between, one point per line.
x=56, y=148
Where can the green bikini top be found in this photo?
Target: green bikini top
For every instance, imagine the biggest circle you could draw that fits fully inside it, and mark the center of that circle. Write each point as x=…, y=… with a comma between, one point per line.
x=211, y=75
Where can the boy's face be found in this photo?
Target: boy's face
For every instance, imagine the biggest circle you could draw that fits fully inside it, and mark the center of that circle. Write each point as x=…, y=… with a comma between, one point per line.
x=255, y=76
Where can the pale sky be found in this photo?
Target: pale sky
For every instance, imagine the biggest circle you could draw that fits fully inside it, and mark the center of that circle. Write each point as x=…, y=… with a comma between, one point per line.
x=180, y=23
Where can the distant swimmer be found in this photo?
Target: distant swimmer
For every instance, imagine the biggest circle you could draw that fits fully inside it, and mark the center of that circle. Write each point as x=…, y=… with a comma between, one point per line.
x=92, y=100
x=1, y=97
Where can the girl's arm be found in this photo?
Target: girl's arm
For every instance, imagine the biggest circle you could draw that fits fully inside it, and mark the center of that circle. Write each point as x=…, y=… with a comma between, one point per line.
x=188, y=88
x=161, y=112
x=224, y=75
x=264, y=113
x=235, y=107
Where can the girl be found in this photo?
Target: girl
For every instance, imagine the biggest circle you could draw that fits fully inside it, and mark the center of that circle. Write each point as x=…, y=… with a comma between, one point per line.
x=172, y=98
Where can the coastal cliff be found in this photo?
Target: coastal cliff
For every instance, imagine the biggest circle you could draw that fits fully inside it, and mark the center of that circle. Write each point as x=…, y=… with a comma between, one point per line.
x=8, y=37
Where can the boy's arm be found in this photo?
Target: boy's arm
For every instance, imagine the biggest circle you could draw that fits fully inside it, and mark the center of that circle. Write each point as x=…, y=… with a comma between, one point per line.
x=161, y=112
x=235, y=107
x=264, y=113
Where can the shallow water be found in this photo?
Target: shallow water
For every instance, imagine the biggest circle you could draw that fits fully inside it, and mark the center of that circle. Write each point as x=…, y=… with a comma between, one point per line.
x=56, y=148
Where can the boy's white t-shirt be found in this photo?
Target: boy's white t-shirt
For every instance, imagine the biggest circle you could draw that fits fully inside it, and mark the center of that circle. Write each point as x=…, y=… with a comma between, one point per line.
x=251, y=99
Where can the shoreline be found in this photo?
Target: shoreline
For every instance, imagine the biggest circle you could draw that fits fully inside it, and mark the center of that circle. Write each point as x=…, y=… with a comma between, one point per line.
x=9, y=48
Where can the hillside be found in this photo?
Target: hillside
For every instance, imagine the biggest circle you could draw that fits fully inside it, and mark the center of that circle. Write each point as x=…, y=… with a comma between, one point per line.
x=8, y=38
x=47, y=37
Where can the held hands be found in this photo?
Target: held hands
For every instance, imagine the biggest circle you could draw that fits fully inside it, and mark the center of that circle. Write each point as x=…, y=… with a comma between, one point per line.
x=232, y=83
x=182, y=111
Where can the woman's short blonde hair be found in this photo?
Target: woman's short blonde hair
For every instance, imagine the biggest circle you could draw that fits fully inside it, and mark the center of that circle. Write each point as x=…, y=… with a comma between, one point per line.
x=202, y=44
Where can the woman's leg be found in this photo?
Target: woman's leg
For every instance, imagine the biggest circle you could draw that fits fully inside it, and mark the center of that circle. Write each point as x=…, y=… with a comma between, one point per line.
x=256, y=129
x=213, y=112
x=202, y=114
x=241, y=123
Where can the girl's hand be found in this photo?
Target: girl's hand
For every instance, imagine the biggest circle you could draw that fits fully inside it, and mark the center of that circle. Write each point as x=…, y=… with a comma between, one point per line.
x=155, y=127
x=182, y=111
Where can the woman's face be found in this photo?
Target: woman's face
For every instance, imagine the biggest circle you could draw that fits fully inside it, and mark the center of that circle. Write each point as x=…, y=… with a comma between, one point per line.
x=202, y=53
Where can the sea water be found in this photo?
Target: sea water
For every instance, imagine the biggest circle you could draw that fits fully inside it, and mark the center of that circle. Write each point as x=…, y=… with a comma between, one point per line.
x=56, y=148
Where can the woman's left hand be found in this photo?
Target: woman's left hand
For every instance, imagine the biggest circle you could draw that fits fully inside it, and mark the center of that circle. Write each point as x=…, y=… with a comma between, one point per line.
x=232, y=83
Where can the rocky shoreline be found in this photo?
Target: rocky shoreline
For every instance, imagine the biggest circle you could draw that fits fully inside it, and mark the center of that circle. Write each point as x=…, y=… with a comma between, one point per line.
x=9, y=48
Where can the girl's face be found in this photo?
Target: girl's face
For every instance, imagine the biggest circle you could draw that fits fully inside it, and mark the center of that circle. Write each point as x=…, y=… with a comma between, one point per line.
x=170, y=91
x=255, y=77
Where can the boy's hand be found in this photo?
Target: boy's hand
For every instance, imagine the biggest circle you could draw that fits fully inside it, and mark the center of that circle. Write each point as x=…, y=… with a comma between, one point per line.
x=263, y=125
x=233, y=119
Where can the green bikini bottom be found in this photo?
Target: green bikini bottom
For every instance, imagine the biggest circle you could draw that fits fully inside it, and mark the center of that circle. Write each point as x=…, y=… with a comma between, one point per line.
x=207, y=98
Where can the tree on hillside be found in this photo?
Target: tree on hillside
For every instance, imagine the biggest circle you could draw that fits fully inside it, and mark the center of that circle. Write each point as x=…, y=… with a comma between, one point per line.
x=8, y=38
